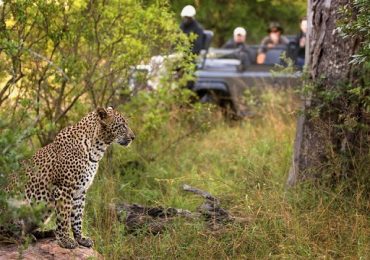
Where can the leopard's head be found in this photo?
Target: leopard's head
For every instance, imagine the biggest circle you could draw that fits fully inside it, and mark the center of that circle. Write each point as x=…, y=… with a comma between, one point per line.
x=114, y=127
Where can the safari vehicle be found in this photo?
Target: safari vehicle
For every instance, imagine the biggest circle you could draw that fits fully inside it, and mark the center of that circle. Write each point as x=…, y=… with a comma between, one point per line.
x=223, y=80
x=220, y=77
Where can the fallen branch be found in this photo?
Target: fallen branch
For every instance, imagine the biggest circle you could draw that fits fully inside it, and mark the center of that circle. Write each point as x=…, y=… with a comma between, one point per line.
x=154, y=219
x=210, y=208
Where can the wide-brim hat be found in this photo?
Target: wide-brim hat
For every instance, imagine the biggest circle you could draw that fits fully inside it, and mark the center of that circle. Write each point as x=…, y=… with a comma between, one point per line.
x=275, y=25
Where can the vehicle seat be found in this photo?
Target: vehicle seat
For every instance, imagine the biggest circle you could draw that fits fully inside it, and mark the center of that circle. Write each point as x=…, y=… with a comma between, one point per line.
x=252, y=54
x=273, y=56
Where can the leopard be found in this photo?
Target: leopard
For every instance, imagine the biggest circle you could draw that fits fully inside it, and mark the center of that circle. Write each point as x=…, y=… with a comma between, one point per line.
x=60, y=173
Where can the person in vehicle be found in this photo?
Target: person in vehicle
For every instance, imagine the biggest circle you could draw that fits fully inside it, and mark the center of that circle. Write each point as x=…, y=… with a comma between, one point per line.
x=275, y=38
x=242, y=51
x=190, y=25
x=238, y=40
x=301, y=43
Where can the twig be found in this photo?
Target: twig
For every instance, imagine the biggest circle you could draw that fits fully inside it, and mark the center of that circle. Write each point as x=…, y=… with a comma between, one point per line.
x=52, y=64
x=204, y=194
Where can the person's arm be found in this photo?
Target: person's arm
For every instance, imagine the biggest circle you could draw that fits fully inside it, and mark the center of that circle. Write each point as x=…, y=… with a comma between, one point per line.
x=199, y=41
x=228, y=45
x=263, y=45
x=284, y=40
x=302, y=41
x=262, y=51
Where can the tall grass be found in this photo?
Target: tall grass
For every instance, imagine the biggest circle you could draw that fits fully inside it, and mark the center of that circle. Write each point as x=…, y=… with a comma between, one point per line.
x=245, y=164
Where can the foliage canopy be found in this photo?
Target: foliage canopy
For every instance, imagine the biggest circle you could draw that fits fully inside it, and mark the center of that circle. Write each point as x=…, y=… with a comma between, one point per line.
x=63, y=56
x=223, y=16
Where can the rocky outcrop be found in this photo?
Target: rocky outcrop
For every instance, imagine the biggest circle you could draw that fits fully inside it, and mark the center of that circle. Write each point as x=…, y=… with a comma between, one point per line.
x=46, y=249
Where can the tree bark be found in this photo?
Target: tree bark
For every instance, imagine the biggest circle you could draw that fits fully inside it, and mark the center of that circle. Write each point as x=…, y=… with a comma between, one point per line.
x=328, y=58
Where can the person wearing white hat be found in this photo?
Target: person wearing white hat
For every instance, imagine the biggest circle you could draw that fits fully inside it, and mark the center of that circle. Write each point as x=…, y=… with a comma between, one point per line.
x=238, y=40
x=188, y=11
x=191, y=25
x=242, y=51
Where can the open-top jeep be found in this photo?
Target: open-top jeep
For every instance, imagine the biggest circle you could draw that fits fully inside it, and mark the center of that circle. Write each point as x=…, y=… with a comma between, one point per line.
x=222, y=78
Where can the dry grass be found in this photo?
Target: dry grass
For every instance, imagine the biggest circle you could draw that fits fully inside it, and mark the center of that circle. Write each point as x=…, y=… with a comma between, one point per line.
x=245, y=164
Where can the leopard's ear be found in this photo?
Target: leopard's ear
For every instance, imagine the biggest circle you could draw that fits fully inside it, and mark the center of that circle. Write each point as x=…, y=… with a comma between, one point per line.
x=102, y=113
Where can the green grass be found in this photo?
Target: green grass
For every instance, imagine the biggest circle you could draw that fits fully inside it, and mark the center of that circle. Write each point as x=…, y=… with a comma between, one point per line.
x=245, y=164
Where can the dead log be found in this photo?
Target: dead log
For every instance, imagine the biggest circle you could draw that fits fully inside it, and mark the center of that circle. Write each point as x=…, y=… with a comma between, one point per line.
x=151, y=219
x=211, y=208
x=155, y=219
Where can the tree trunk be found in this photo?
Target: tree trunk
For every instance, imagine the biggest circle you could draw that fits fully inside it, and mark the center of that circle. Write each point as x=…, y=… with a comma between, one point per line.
x=321, y=141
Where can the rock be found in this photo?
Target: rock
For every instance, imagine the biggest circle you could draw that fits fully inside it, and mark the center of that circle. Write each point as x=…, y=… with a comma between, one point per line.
x=46, y=249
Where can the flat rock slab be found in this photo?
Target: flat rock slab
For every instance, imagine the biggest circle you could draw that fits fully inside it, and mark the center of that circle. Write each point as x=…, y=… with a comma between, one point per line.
x=46, y=249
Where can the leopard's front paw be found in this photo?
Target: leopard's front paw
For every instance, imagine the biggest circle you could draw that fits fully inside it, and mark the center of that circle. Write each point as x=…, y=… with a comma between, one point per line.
x=67, y=242
x=85, y=241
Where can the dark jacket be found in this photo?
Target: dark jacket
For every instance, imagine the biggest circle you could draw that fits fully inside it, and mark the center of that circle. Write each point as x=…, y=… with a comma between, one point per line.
x=242, y=52
x=231, y=44
x=192, y=26
x=301, y=51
